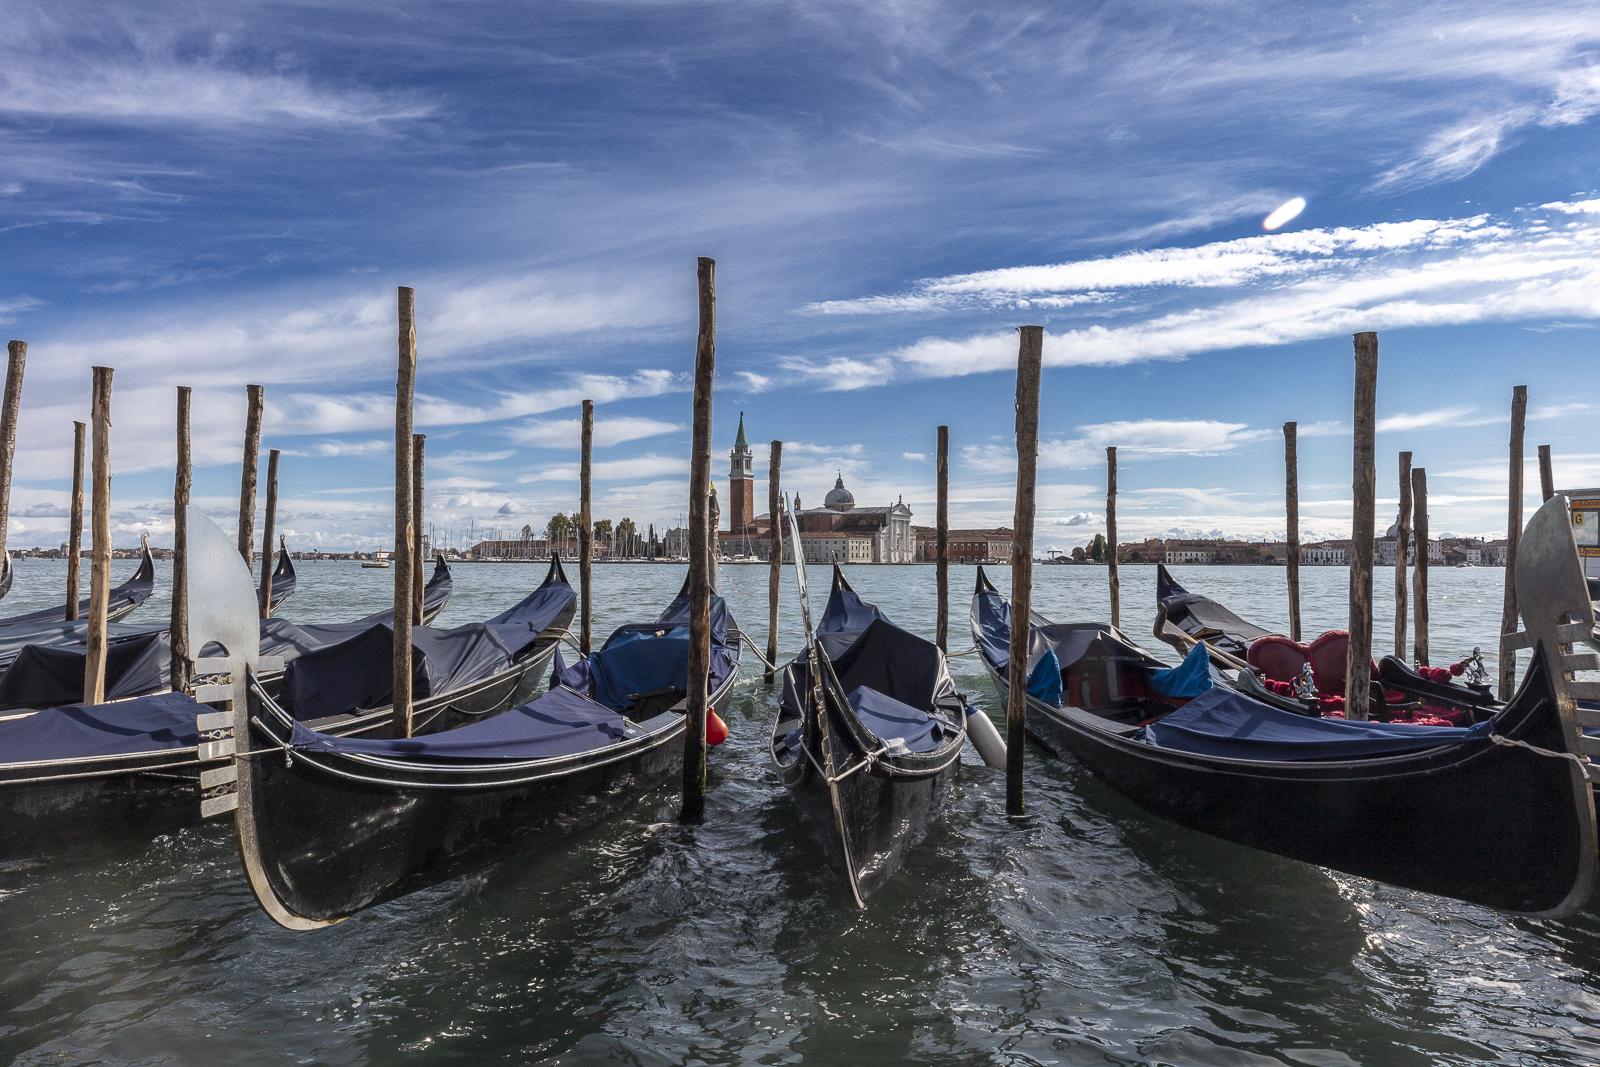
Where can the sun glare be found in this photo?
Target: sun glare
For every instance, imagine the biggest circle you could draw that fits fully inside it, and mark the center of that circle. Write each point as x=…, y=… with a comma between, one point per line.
x=1285, y=213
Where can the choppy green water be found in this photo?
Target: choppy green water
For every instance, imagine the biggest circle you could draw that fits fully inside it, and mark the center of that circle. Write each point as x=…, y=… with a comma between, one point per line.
x=1095, y=935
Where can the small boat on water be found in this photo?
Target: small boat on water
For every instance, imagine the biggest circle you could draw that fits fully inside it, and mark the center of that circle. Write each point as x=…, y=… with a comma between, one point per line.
x=328, y=826
x=1499, y=814
x=868, y=736
x=375, y=564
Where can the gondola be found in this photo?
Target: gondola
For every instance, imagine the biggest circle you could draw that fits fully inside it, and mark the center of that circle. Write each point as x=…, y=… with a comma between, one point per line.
x=284, y=578
x=870, y=773
x=129, y=764
x=123, y=599
x=1499, y=814
x=329, y=826
x=1199, y=618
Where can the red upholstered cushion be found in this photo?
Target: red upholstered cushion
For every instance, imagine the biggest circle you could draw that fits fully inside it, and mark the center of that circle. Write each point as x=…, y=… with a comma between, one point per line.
x=1278, y=657
x=1329, y=654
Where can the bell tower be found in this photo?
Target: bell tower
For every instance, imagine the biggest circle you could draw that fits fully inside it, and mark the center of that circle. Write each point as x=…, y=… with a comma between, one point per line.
x=741, y=483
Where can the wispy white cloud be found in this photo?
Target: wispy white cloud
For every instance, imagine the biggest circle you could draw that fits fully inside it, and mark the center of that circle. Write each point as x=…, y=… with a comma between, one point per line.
x=608, y=430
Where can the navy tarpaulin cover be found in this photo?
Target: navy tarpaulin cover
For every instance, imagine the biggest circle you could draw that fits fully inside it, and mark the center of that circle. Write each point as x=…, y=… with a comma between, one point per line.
x=1044, y=683
x=641, y=659
x=846, y=611
x=1068, y=641
x=892, y=720
x=131, y=593
x=519, y=626
x=44, y=676
x=558, y=723
x=1221, y=722
x=280, y=637
x=83, y=731
x=1188, y=679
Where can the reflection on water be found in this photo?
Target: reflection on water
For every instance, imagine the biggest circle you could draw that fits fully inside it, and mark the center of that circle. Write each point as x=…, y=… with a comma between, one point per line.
x=1093, y=934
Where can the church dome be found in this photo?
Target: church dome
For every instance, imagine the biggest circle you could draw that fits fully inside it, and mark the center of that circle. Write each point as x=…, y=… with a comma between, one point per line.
x=839, y=498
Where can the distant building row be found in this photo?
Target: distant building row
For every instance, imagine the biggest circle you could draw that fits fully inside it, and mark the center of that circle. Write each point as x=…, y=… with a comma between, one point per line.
x=1472, y=551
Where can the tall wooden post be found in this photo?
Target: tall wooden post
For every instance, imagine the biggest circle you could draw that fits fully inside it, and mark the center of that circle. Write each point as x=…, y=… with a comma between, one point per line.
x=1402, y=547
x=1358, y=664
x=1030, y=357
x=16, y=363
x=941, y=538
x=1547, y=474
x=75, y=523
x=178, y=671
x=585, y=523
x=269, y=533
x=1508, y=614
x=94, y=665
x=404, y=527
x=1291, y=504
x=255, y=405
x=418, y=562
x=694, y=736
x=1419, y=573
x=775, y=570
x=1113, y=583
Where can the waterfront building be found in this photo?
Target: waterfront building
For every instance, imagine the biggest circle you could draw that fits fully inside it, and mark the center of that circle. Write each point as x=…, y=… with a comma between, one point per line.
x=965, y=546
x=1326, y=554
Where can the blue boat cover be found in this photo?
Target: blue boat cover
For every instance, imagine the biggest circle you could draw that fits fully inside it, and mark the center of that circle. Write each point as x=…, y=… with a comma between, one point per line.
x=641, y=659
x=130, y=594
x=1188, y=679
x=1223, y=722
x=83, y=731
x=891, y=720
x=47, y=676
x=846, y=611
x=557, y=723
x=1063, y=643
x=280, y=637
x=1044, y=681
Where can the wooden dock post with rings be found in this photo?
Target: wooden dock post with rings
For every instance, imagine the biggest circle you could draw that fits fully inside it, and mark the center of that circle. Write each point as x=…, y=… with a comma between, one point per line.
x=775, y=568
x=10, y=408
x=1363, y=486
x=585, y=525
x=1547, y=474
x=1030, y=358
x=1291, y=506
x=1508, y=612
x=694, y=735
x=94, y=664
x=941, y=538
x=404, y=527
x=1402, y=545
x=418, y=563
x=182, y=485
x=255, y=405
x=1419, y=573
x=1113, y=582
x=75, y=523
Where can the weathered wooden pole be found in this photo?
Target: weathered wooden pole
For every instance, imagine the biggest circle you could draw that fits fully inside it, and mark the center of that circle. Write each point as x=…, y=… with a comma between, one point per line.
x=585, y=523
x=1113, y=583
x=418, y=562
x=1547, y=474
x=1402, y=545
x=15, y=365
x=694, y=736
x=75, y=523
x=1363, y=486
x=255, y=404
x=269, y=532
x=941, y=538
x=404, y=527
x=1419, y=573
x=94, y=664
x=1291, y=504
x=1508, y=614
x=775, y=569
x=178, y=672
x=1030, y=357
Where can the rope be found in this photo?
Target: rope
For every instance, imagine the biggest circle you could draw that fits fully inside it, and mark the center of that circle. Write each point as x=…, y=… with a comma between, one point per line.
x=765, y=662
x=968, y=652
x=1582, y=762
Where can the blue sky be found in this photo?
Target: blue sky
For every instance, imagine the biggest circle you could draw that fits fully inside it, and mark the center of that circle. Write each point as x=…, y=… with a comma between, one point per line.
x=211, y=194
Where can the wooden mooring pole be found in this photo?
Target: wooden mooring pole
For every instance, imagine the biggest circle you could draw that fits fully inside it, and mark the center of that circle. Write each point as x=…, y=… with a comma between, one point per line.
x=694, y=736
x=404, y=527
x=16, y=363
x=269, y=533
x=775, y=566
x=1030, y=358
x=585, y=524
x=1419, y=573
x=1547, y=474
x=1363, y=486
x=418, y=561
x=75, y=523
x=255, y=405
x=1113, y=583
x=182, y=484
x=941, y=538
x=1291, y=505
x=1402, y=545
x=94, y=664
x=1508, y=613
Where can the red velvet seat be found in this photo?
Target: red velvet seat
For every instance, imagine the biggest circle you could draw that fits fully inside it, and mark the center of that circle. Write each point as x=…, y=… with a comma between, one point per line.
x=1277, y=657
x=1329, y=655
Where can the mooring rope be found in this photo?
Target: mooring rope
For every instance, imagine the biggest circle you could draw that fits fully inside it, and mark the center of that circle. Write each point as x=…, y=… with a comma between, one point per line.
x=1582, y=761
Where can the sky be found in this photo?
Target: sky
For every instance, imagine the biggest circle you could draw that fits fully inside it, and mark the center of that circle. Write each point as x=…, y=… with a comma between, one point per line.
x=208, y=195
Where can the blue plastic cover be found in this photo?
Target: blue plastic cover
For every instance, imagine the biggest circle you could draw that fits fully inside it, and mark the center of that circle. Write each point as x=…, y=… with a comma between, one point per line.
x=1222, y=722
x=1044, y=683
x=889, y=719
x=83, y=731
x=48, y=676
x=641, y=659
x=133, y=592
x=1188, y=679
x=557, y=723
x=846, y=611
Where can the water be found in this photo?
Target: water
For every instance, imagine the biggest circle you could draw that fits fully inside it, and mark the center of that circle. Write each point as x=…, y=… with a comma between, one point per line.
x=1094, y=935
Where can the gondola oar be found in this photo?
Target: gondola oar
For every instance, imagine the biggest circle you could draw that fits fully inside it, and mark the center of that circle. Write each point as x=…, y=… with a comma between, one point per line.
x=818, y=707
